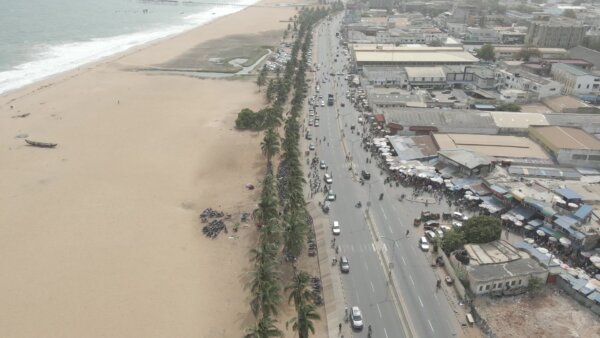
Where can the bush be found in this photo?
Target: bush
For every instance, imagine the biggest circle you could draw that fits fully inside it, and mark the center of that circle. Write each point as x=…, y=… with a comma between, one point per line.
x=509, y=107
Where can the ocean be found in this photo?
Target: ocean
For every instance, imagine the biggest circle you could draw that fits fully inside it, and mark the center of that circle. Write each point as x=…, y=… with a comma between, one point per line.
x=40, y=38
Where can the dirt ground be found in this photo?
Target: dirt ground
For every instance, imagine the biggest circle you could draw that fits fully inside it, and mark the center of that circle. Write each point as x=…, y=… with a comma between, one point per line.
x=551, y=314
x=214, y=55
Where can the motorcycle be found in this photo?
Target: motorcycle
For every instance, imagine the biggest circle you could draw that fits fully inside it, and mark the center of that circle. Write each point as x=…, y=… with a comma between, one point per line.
x=358, y=205
x=380, y=196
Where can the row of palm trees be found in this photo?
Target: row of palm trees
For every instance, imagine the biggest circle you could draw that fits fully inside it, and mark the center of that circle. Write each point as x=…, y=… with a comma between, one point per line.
x=284, y=222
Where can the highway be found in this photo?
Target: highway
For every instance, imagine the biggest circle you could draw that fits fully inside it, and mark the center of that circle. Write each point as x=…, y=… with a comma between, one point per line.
x=428, y=311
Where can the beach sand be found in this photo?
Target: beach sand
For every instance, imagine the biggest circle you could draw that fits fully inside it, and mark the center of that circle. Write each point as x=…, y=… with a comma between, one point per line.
x=100, y=236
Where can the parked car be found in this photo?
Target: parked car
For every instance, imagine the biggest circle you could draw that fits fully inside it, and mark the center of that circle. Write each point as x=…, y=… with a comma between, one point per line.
x=457, y=224
x=423, y=244
x=331, y=196
x=430, y=234
x=344, y=265
x=336, y=228
x=432, y=223
x=439, y=233
x=311, y=147
x=323, y=165
x=328, y=179
x=356, y=318
x=316, y=123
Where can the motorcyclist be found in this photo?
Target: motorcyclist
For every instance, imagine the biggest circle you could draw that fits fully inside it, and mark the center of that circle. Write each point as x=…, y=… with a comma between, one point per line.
x=381, y=196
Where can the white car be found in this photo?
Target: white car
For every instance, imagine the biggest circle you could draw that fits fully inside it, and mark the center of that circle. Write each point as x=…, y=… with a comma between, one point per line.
x=323, y=165
x=423, y=244
x=316, y=123
x=356, y=317
x=322, y=103
x=457, y=224
x=336, y=228
x=331, y=196
x=328, y=179
x=311, y=147
x=430, y=235
x=439, y=233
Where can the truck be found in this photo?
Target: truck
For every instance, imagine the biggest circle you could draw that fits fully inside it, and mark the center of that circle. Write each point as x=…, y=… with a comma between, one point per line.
x=330, y=100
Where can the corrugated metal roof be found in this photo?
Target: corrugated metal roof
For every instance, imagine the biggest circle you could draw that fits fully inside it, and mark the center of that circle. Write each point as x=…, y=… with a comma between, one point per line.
x=420, y=57
x=567, y=138
x=568, y=194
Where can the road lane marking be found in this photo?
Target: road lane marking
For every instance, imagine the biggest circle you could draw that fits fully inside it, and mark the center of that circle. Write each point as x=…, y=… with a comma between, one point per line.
x=413, y=283
x=384, y=247
x=431, y=326
x=385, y=331
x=403, y=261
x=366, y=266
x=352, y=248
x=384, y=215
x=357, y=297
x=372, y=287
x=390, y=227
x=420, y=301
x=378, y=309
x=373, y=246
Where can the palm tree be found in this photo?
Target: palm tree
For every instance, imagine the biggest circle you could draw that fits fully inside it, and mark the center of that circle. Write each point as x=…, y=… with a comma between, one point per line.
x=265, y=328
x=303, y=323
x=265, y=287
x=270, y=144
x=299, y=291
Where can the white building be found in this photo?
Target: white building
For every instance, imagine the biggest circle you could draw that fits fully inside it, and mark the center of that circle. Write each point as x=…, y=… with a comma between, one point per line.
x=576, y=81
x=425, y=76
x=537, y=87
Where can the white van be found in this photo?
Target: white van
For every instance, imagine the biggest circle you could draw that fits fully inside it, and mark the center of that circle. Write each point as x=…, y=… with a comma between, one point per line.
x=336, y=228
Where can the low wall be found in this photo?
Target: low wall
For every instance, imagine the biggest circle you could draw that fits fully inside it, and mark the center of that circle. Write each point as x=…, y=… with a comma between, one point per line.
x=583, y=300
x=449, y=268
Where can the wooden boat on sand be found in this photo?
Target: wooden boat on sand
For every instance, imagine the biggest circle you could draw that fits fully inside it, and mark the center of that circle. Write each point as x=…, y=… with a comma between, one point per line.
x=40, y=144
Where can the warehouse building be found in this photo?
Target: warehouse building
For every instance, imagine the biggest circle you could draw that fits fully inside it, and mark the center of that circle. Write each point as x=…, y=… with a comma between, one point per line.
x=569, y=146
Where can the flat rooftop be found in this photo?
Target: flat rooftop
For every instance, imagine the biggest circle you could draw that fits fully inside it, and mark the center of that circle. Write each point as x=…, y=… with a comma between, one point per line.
x=493, y=272
x=492, y=145
x=415, y=57
x=433, y=72
x=390, y=47
x=518, y=120
x=493, y=253
x=557, y=137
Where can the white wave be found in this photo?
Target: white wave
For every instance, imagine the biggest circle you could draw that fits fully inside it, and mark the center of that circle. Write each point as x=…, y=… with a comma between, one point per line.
x=61, y=58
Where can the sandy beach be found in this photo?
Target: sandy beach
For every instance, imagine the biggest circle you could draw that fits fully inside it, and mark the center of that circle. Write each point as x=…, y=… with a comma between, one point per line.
x=100, y=237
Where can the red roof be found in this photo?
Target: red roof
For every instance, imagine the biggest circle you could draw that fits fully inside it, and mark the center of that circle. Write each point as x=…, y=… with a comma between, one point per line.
x=379, y=118
x=395, y=126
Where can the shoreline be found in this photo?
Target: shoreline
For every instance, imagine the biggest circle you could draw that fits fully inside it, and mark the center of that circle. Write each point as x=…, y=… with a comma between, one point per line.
x=138, y=46
x=100, y=236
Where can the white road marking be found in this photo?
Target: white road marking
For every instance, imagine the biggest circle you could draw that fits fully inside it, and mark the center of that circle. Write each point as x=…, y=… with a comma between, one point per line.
x=413, y=283
x=384, y=247
x=352, y=248
x=431, y=326
x=385, y=331
x=357, y=298
x=372, y=287
x=384, y=215
x=373, y=246
x=378, y=309
x=420, y=301
x=390, y=227
x=403, y=261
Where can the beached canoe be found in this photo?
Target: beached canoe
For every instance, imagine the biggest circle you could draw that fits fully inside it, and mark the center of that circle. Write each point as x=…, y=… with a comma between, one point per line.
x=40, y=144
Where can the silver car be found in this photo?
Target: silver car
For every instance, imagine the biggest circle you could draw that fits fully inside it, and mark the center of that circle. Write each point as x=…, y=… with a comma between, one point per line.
x=357, y=319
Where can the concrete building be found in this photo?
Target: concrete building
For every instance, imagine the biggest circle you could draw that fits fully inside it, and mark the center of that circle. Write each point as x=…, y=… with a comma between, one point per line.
x=499, y=268
x=478, y=34
x=569, y=105
x=511, y=52
x=576, y=81
x=426, y=77
x=480, y=77
x=416, y=121
x=467, y=162
x=562, y=33
x=501, y=147
x=510, y=123
x=571, y=147
x=379, y=76
x=537, y=87
x=416, y=58
x=587, y=54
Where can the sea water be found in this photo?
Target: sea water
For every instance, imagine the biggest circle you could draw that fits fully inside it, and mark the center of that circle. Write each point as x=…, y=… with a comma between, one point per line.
x=40, y=38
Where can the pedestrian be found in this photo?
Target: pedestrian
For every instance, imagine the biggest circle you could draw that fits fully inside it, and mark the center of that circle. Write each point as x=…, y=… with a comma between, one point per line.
x=340, y=327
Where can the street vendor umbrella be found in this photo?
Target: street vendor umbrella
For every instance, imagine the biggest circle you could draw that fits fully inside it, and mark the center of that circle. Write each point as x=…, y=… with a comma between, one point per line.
x=597, y=265
x=520, y=217
x=595, y=259
x=528, y=227
x=540, y=233
x=529, y=240
x=520, y=224
x=504, y=217
x=389, y=159
x=565, y=241
x=587, y=253
x=542, y=250
x=552, y=239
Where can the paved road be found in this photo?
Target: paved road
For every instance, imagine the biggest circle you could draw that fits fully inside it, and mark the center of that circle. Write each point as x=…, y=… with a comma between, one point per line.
x=366, y=286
